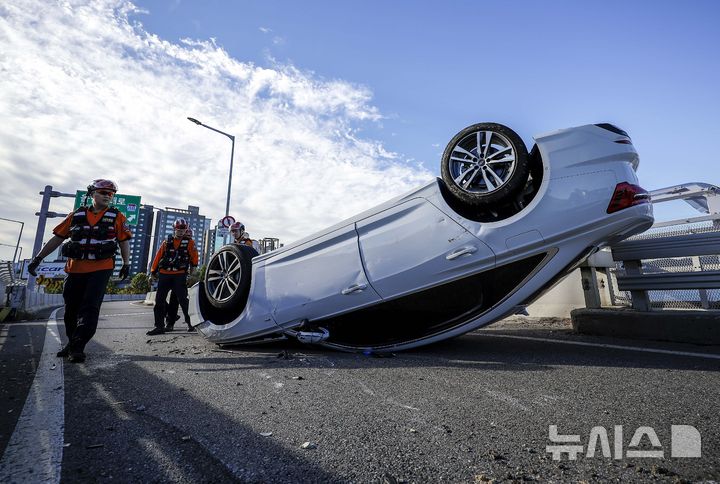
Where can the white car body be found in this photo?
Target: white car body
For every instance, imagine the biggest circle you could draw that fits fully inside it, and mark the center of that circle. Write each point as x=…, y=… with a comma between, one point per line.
x=415, y=251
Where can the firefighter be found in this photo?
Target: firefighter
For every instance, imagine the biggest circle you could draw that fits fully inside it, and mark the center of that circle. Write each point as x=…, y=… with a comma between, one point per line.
x=175, y=257
x=95, y=234
x=243, y=238
x=171, y=315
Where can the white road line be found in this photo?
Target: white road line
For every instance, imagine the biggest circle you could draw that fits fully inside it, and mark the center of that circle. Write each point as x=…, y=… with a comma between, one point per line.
x=34, y=453
x=4, y=331
x=125, y=314
x=604, y=345
x=513, y=402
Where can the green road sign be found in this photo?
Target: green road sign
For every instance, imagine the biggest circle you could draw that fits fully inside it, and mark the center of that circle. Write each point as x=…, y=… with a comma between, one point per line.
x=129, y=205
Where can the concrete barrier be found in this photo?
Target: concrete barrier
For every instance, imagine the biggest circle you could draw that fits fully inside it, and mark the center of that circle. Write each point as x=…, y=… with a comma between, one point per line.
x=123, y=297
x=567, y=295
x=37, y=301
x=679, y=326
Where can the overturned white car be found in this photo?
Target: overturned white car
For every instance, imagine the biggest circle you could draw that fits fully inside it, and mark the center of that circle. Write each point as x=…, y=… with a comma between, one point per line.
x=499, y=228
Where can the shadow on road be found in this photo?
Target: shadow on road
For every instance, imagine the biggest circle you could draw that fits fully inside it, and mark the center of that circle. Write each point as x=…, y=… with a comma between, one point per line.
x=21, y=345
x=124, y=423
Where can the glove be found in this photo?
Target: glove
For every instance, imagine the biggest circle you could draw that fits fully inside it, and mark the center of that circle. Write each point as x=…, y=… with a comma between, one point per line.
x=154, y=275
x=32, y=267
x=124, y=271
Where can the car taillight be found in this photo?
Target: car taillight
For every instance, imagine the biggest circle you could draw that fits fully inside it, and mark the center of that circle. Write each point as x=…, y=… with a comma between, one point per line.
x=627, y=195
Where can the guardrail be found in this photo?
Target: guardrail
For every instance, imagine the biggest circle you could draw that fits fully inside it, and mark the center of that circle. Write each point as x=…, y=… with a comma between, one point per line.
x=639, y=280
x=678, y=260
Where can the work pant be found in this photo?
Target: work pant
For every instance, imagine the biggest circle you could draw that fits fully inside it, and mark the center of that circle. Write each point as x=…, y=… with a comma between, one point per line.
x=83, y=294
x=166, y=283
x=172, y=310
x=171, y=313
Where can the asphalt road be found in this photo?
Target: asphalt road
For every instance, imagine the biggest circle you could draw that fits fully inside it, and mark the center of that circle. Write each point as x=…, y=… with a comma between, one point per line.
x=175, y=408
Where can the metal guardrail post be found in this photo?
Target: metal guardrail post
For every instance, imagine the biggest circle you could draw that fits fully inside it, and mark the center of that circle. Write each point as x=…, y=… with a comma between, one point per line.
x=640, y=299
x=611, y=289
x=697, y=267
x=591, y=291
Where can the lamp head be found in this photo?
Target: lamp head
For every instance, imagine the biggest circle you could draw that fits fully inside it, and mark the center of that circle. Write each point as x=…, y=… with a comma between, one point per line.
x=194, y=120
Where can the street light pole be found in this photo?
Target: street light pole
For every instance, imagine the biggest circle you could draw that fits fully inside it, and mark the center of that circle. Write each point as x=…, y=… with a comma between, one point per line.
x=232, y=154
x=43, y=215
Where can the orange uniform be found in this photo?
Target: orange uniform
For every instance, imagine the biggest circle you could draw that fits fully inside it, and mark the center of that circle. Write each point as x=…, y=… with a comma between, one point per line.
x=78, y=266
x=247, y=242
x=191, y=249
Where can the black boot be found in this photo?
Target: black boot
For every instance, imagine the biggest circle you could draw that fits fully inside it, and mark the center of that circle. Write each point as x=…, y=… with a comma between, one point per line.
x=63, y=352
x=76, y=357
x=155, y=331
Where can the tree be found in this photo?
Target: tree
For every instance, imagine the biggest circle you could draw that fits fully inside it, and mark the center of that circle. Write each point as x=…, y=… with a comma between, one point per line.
x=139, y=284
x=111, y=287
x=196, y=276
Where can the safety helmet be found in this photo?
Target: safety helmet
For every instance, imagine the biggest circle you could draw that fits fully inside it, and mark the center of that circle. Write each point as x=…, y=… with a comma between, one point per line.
x=180, y=224
x=237, y=226
x=102, y=184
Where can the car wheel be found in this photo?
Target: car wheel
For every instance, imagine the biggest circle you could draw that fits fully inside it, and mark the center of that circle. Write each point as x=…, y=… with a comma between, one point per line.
x=227, y=277
x=485, y=164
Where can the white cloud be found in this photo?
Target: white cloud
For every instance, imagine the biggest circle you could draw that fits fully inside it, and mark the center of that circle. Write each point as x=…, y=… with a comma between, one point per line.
x=264, y=30
x=87, y=93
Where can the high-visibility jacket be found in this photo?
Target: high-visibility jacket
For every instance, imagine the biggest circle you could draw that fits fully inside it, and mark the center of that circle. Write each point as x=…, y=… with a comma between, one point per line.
x=175, y=256
x=241, y=241
x=93, y=237
x=249, y=242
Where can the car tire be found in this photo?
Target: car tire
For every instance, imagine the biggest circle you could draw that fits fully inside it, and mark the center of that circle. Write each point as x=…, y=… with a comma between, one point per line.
x=227, y=276
x=481, y=173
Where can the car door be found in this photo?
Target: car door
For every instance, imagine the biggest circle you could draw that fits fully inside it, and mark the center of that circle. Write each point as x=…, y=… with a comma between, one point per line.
x=318, y=279
x=414, y=245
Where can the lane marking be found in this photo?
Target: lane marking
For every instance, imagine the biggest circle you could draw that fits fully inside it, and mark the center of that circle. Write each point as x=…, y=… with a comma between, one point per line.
x=125, y=314
x=34, y=453
x=511, y=401
x=392, y=401
x=608, y=346
x=4, y=332
x=389, y=400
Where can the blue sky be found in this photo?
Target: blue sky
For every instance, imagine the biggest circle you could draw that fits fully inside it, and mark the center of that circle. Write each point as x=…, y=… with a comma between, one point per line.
x=336, y=106
x=433, y=67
